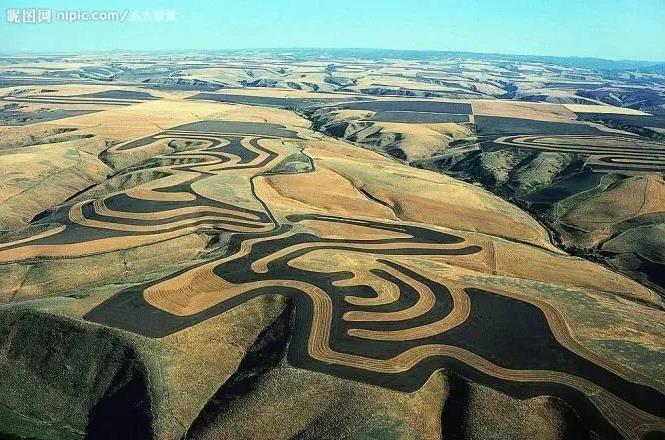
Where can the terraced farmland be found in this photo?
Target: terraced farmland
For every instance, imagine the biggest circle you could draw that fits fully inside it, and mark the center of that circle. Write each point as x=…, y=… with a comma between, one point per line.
x=316, y=263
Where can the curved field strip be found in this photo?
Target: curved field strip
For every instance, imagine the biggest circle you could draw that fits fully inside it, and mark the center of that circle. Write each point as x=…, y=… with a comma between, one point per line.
x=159, y=209
x=386, y=292
x=198, y=289
x=44, y=234
x=150, y=190
x=461, y=310
x=261, y=265
x=352, y=231
x=610, y=153
x=262, y=157
x=221, y=154
x=213, y=140
x=76, y=216
x=90, y=247
x=101, y=208
x=425, y=302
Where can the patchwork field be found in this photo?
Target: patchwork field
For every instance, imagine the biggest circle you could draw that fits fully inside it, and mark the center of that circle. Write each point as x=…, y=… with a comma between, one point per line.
x=293, y=254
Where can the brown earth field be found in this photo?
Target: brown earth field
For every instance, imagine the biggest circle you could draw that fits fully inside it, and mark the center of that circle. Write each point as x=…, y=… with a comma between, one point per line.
x=279, y=248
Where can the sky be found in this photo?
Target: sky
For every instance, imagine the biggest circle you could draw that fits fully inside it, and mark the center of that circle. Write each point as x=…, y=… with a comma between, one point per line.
x=612, y=29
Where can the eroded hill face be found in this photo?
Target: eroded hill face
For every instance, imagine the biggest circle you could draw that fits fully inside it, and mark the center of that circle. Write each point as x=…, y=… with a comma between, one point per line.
x=216, y=263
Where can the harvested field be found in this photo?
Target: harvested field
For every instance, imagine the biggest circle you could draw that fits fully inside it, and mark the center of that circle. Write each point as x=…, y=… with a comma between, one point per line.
x=418, y=117
x=501, y=126
x=121, y=95
x=607, y=153
x=264, y=100
x=409, y=106
x=625, y=119
x=10, y=117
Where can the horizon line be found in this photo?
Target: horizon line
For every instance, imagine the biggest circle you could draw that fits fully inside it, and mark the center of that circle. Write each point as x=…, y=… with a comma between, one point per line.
x=435, y=51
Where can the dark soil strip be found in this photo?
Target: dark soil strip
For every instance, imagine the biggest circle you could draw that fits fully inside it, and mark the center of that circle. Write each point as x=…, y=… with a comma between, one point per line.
x=507, y=332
